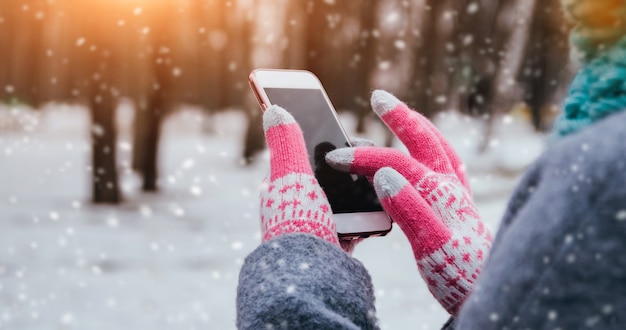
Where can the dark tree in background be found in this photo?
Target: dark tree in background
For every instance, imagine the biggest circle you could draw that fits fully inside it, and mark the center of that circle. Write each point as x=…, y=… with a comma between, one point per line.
x=432, y=71
x=493, y=36
x=546, y=63
x=479, y=41
x=157, y=99
x=95, y=61
x=342, y=33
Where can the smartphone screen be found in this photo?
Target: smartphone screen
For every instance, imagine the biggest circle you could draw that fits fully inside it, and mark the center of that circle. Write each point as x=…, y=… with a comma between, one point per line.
x=346, y=193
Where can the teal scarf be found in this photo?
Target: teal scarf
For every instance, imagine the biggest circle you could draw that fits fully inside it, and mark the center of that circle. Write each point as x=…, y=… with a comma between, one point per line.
x=597, y=91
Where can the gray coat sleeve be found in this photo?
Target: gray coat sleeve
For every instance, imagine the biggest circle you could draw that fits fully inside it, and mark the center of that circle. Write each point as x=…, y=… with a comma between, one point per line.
x=298, y=281
x=558, y=260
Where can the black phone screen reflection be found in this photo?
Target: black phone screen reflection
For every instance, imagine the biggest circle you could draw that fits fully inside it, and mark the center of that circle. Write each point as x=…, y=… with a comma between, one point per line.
x=346, y=193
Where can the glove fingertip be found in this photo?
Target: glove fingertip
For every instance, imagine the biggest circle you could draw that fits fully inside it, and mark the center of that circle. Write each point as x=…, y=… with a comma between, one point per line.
x=274, y=116
x=341, y=159
x=388, y=182
x=361, y=142
x=383, y=102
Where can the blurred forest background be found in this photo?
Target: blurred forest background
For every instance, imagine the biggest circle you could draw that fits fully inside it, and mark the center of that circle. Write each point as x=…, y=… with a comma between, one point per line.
x=481, y=57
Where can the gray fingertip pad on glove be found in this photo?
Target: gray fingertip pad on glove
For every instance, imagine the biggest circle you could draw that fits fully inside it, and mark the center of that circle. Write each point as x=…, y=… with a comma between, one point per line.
x=388, y=182
x=360, y=142
x=383, y=102
x=341, y=159
x=275, y=115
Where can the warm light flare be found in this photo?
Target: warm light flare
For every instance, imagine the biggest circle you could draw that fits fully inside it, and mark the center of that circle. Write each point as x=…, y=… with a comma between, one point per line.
x=598, y=13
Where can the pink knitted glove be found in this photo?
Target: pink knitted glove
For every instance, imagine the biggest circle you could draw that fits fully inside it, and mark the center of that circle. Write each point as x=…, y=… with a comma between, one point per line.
x=292, y=200
x=428, y=196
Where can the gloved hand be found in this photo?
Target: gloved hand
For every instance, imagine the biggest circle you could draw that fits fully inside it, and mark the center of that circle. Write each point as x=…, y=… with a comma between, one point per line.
x=292, y=200
x=428, y=196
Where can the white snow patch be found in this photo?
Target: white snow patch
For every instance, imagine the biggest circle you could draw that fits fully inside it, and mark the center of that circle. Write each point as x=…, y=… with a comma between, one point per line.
x=173, y=257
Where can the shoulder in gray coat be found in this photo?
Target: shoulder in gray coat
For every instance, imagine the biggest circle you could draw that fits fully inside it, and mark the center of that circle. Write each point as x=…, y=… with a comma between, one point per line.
x=558, y=260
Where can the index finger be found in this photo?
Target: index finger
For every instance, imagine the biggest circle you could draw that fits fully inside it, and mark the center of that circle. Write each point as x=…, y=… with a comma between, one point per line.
x=285, y=142
x=423, y=140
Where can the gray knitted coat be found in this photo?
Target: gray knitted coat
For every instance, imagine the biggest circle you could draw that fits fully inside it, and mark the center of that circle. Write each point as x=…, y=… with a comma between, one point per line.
x=558, y=260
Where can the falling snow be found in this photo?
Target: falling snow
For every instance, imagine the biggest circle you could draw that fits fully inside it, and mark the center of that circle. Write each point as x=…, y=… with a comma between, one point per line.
x=472, y=8
x=552, y=315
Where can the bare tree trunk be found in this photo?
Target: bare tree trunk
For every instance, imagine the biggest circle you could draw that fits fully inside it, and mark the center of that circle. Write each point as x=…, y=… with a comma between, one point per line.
x=437, y=51
x=336, y=41
x=428, y=47
x=152, y=135
x=146, y=137
x=478, y=47
x=545, y=66
x=54, y=82
x=214, y=43
x=503, y=88
x=25, y=52
x=367, y=53
x=392, y=51
x=158, y=102
x=139, y=133
x=296, y=24
x=103, y=142
x=93, y=77
x=253, y=141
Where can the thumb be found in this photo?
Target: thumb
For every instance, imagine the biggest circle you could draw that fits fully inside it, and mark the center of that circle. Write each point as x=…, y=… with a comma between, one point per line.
x=403, y=203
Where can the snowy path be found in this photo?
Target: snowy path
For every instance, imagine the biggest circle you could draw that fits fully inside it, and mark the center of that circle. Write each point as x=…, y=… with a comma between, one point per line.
x=169, y=260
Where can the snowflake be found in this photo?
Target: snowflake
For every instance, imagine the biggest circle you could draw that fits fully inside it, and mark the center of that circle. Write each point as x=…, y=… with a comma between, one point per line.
x=237, y=245
x=67, y=318
x=195, y=190
x=472, y=8
x=552, y=315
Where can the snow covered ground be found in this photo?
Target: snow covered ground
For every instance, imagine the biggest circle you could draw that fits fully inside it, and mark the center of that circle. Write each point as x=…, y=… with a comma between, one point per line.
x=171, y=260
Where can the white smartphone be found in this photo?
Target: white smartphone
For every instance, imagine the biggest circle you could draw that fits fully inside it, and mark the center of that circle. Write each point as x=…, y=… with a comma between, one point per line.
x=356, y=209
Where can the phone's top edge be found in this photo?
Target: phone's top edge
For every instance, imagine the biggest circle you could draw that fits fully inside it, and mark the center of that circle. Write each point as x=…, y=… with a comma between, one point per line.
x=278, y=78
x=280, y=70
